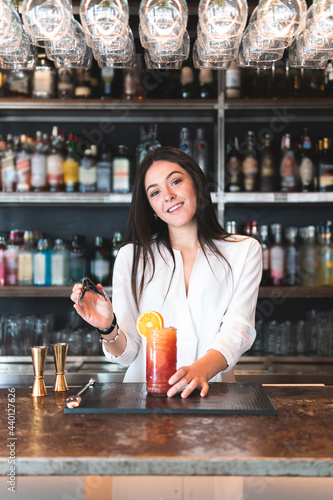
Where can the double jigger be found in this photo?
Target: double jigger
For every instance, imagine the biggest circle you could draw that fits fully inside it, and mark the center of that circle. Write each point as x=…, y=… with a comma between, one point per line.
x=38, y=354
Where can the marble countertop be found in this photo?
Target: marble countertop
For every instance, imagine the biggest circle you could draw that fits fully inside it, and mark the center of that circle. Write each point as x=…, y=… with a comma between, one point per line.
x=297, y=441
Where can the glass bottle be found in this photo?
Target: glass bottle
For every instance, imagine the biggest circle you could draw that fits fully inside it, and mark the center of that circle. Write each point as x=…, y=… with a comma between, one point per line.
x=309, y=256
x=3, y=248
x=104, y=166
x=55, y=163
x=268, y=167
x=100, y=265
x=265, y=247
x=42, y=264
x=142, y=147
x=292, y=257
x=325, y=274
x=71, y=166
x=328, y=79
x=11, y=257
x=326, y=167
x=25, y=259
x=250, y=165
x=153, y=142
x=77, y=260
x=59, y=264
x=185, y=143
x=277, y=256
x=288, y=167
x=121, y=171
x=233, y=81
x=38, y=165
x=88, y=170
x=65, y=85
x=117, y=240
x=8, y=169
x=23, y=165
x=107, y=75
x=187, y=82
x=206, y=84
x=201, y=150
x=82, y=88
x=44, y=78
x=233, y=169
x=307, y=168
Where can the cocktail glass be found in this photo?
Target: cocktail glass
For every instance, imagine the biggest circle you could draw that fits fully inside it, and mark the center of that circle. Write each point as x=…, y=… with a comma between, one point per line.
x=161, y=359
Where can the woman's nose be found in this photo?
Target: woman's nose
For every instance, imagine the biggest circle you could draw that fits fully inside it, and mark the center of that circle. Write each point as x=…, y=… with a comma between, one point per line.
x=169, y=194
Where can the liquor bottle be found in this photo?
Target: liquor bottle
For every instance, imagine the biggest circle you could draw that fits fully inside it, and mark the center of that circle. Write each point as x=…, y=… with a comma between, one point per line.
x=268, y=171
x=71, y=166
x=250, y=165
x=292, y=257
x=18, y=84
x=129, y=88
x=153, y=142
x=255, y=230
x=309, y=253
x=65, y=85
x=107, y=75
x=55, y=163
x=231, y=227
x=8, y=170
x=88, y=170
x=328, y=80
x=11, y=257
x=142, y=147
x=116, y=244
x=201, y=150
x=288, y=167
x=325, y=274
x=100, y=265
x=38, y=165
x=25, y=259
x=59, y=264
x=42, y=264
x=82, y=88
x=265, y=247
x=77, y=260
x=187, y=82
x=277, y=256
x=326, y=167
x=185, y=143
x=23, y=166
x=121, y=171
x=233, y=81
x=248, y=228
x=307, y=168
x=233, y=169
x=3, y=248
x=206, y=84
x=44, y=78
x=104, y=167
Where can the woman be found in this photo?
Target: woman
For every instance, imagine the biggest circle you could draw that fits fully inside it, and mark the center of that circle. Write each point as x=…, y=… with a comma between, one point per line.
x=179, y=262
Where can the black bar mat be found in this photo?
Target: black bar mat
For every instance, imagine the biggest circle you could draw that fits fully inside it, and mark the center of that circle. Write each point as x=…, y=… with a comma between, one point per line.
x=222, y=398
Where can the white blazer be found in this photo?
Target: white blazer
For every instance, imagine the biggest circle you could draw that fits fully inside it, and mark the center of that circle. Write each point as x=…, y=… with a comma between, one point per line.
x=218, y=312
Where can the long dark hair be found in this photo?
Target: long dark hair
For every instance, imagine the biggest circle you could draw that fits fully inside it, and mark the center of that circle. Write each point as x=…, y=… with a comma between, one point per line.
x=142, y=229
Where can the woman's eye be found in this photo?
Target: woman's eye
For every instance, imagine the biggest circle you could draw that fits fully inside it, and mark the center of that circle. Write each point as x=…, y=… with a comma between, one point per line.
x=176, y=181
x=154, y=193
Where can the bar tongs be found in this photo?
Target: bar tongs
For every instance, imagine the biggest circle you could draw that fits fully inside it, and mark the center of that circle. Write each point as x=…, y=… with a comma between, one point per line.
x=75, y=401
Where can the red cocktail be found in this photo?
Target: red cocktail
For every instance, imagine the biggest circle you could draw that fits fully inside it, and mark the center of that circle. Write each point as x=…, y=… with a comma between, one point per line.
x=161, y=359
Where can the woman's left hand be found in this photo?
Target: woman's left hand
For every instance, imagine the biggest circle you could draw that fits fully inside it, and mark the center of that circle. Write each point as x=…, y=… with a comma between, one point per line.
x=196, y=376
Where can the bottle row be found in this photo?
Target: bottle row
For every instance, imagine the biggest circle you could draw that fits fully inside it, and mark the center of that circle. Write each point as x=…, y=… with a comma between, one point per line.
x=47, y=82
x=19, y=332
x=279, y=81
x=253, y=165
x=312, y=336
x=28, y=258
x=293, y=256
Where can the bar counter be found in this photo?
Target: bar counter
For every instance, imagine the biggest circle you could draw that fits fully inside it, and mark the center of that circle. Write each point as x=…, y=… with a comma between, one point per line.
x=298, y=441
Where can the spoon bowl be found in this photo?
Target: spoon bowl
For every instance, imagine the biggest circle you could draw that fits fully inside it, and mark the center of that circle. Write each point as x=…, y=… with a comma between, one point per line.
x=75, y=400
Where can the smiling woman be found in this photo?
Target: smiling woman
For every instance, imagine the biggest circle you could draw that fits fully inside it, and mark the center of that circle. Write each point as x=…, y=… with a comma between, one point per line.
x=179, y=261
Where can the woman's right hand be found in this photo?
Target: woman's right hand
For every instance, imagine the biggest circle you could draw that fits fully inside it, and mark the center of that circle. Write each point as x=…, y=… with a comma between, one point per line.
x=94, y=309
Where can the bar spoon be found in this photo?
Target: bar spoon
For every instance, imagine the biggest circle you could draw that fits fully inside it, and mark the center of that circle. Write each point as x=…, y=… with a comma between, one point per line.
x=74, y=401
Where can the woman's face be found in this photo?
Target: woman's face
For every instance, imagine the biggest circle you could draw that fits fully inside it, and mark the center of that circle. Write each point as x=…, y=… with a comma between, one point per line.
x=171, y=194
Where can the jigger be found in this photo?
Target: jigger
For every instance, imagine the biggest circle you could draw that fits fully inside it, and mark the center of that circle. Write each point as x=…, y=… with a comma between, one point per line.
x=59, y=355
x=38, y=354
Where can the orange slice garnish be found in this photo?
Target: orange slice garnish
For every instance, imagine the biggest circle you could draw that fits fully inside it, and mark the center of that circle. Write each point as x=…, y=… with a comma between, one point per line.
x=149, y=319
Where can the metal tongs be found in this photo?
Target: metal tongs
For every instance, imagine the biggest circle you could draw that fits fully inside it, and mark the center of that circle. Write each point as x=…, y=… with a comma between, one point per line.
x=89, y=286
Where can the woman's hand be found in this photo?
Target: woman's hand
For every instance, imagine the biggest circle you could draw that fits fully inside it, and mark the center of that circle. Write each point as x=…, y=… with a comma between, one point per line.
x=196, y=376
x=94, y=309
